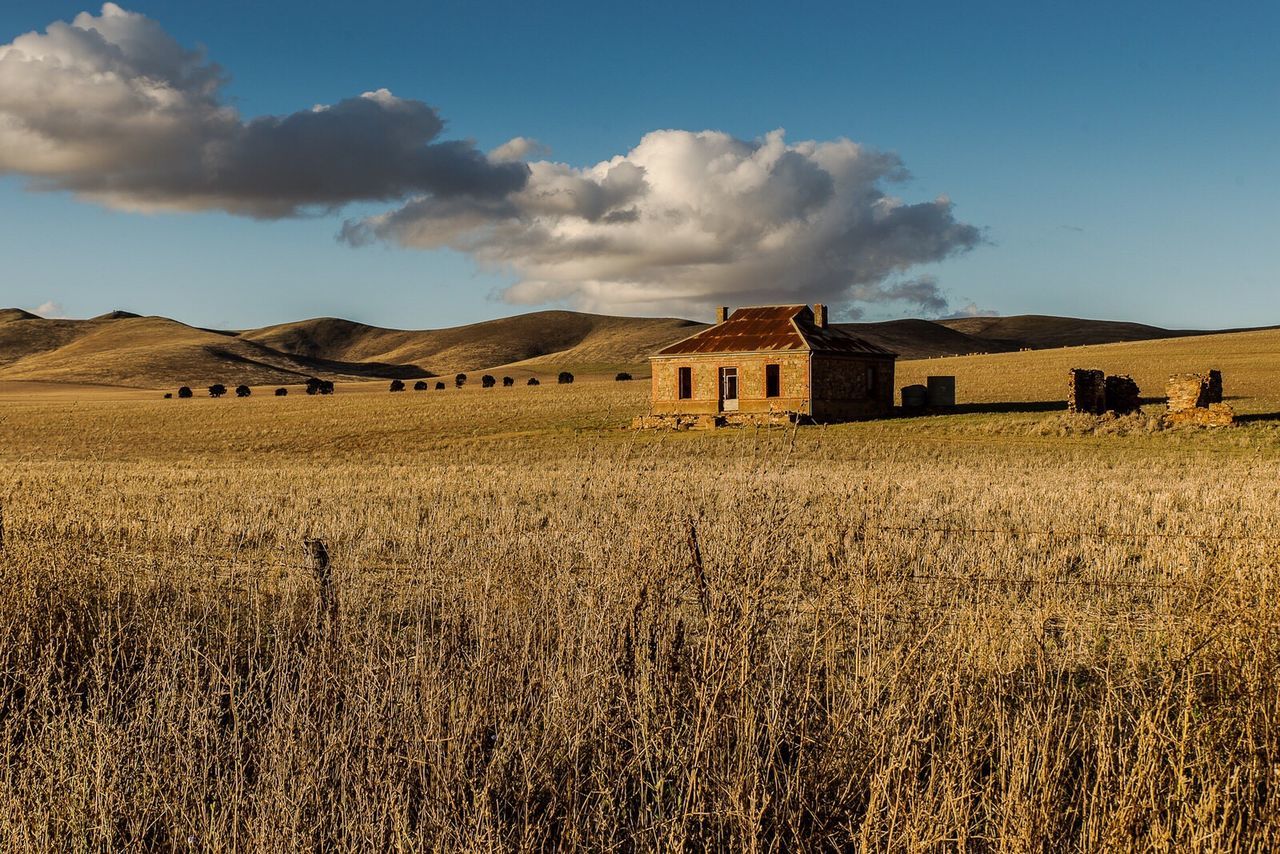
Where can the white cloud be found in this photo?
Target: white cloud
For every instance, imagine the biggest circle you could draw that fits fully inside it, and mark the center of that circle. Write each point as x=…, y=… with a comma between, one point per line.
x=971, y=310
x=52, y=309
x=519, y=148
x=112, y=108
x=686, y=220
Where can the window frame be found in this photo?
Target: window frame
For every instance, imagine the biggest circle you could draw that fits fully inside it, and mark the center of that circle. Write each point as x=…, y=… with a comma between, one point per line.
x=684, y=382
x=772, y=371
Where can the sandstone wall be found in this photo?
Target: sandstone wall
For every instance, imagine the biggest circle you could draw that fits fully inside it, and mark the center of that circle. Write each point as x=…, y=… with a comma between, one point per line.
x=1086, y=392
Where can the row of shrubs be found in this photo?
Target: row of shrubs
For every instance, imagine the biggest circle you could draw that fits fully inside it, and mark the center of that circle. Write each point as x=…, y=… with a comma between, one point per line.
x=486, y=381
x=489, y=381
x=316, y=386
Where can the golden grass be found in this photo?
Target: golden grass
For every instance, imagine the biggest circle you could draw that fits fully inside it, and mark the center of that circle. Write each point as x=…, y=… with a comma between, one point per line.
x=1249, y=362
x=967, y=632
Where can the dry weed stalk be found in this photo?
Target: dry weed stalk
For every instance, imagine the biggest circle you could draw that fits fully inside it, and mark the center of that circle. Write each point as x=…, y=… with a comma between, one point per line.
x=870, y=638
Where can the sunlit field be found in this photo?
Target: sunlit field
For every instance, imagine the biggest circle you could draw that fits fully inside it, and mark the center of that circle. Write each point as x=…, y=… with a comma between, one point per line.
x=538, y=629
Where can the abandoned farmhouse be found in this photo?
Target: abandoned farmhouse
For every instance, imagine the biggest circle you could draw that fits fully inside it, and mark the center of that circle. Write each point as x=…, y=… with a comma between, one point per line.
x=773, y=359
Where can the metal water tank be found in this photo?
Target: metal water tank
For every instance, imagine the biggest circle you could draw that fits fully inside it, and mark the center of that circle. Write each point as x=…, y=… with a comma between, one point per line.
x=914, y=396
x=941, y=391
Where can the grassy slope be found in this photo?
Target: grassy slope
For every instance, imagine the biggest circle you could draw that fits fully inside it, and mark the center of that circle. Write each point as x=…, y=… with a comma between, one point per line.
x=540, y=340
x=122, y=349
x=1250, y=362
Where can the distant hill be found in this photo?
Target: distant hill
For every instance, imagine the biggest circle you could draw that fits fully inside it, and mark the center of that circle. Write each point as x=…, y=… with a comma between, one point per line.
x=563, y=337
x=922, y=339
x=1041, y=332
x=123, y=349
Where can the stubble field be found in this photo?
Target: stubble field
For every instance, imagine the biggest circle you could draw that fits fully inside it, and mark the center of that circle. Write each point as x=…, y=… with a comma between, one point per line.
x=990, y=631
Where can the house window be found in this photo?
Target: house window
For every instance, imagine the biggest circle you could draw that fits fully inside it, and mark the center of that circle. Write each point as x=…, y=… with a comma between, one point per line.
x=772, y=380
x=684, y=383
x=871, y=380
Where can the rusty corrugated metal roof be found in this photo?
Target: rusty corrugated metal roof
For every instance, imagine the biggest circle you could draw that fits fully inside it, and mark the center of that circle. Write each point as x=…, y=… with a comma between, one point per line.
x=772, y=328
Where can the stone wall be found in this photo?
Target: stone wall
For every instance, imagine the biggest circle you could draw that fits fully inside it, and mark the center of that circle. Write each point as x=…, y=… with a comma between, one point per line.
x=793, y=375
x=1086, y=392
x=847, y=387
x=1091, y=392
x=1122, y=396
x=1197, y=399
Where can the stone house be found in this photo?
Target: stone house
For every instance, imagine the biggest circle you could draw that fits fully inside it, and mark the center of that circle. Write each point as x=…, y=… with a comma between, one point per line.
x=773, y=359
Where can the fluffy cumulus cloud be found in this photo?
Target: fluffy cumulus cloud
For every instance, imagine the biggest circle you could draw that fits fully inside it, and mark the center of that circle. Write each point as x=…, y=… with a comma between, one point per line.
x=112, y=108
x=686, y=220
x=51, y=309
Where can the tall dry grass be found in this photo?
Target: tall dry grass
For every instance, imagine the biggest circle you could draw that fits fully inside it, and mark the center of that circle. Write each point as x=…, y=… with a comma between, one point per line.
x=550, y=635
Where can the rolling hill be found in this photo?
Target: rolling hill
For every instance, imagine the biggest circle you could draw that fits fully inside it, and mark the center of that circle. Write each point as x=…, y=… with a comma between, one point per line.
x=1041, y=332
x=124, y=349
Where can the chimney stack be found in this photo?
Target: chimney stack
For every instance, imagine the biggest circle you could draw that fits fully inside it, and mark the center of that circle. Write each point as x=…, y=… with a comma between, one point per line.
x=819, y=315
x=722, y=314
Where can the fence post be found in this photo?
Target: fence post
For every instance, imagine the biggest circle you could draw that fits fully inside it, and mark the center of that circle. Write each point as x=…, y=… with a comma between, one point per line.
x=327, y=602
x=699, y=572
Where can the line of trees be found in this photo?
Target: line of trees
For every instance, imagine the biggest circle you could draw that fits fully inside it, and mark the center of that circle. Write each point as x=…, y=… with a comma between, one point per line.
x=318, y=386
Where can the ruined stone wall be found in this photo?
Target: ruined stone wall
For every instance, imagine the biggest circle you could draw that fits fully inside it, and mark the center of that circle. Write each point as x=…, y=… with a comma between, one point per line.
x=793, y=376
x=1197, y=399
x=1122, y=395
x=1086, y=392
x=1091, y=392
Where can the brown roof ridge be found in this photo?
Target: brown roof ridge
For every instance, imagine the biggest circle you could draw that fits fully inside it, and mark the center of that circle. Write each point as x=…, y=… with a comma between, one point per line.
x=772, y=328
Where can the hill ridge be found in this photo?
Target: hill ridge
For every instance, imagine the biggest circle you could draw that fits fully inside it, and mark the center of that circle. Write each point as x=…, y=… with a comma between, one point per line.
x=124, y=349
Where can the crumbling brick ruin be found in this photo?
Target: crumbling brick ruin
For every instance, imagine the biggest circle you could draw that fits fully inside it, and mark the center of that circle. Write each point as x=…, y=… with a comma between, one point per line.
x=1093, y=393
x=1086, y=392
x=1197, y=399
x=1122, y=396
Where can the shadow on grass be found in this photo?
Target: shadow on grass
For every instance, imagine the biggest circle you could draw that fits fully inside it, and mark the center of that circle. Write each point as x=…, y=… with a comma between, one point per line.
x=1011, y=407
x=1257, y=417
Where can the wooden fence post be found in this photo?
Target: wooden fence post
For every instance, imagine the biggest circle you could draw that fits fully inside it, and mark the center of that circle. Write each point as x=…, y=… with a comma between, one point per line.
x=327, y=601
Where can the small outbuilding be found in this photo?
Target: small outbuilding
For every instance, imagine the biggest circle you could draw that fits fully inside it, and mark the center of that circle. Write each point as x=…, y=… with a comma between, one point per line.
x=771, y=360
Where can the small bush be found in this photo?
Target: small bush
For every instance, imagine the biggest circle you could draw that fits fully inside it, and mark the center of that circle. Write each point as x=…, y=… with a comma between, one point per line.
x=313, y=385
x=281, y=392
x=439, y=384
x=460, y=380
x=243, y=391
x=507, y=382
x=185, y=391
x=217, y=390
x=565, y=378
x=623, y=377
x=533, y=381
x=487, y=381
x=397, y=385
x=420, y=385
x=168, y=395
x=326, y=386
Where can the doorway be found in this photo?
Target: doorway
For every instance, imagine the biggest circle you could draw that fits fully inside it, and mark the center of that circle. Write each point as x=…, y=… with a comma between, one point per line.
x=728, y=389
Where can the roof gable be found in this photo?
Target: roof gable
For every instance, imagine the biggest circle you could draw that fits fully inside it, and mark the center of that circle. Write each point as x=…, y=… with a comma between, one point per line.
x=772, y=328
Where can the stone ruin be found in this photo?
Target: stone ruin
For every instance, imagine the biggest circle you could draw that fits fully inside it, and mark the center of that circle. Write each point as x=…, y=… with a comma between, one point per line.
x=1086, y=392
x=1122, y=395
x=1093, y=393
x=1197, y=399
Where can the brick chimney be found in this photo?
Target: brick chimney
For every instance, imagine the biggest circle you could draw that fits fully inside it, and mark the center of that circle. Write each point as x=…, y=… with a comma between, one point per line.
x=819, y=315
x=722, y=314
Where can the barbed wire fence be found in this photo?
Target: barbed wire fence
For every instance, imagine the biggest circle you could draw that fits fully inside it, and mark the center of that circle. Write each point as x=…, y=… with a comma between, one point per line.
x=238, y=564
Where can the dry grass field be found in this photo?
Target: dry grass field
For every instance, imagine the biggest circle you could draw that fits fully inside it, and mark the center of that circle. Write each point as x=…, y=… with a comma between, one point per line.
x=997, y=630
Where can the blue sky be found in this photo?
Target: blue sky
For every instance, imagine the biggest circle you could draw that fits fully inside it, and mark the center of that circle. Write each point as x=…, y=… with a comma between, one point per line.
x=1121, y=162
